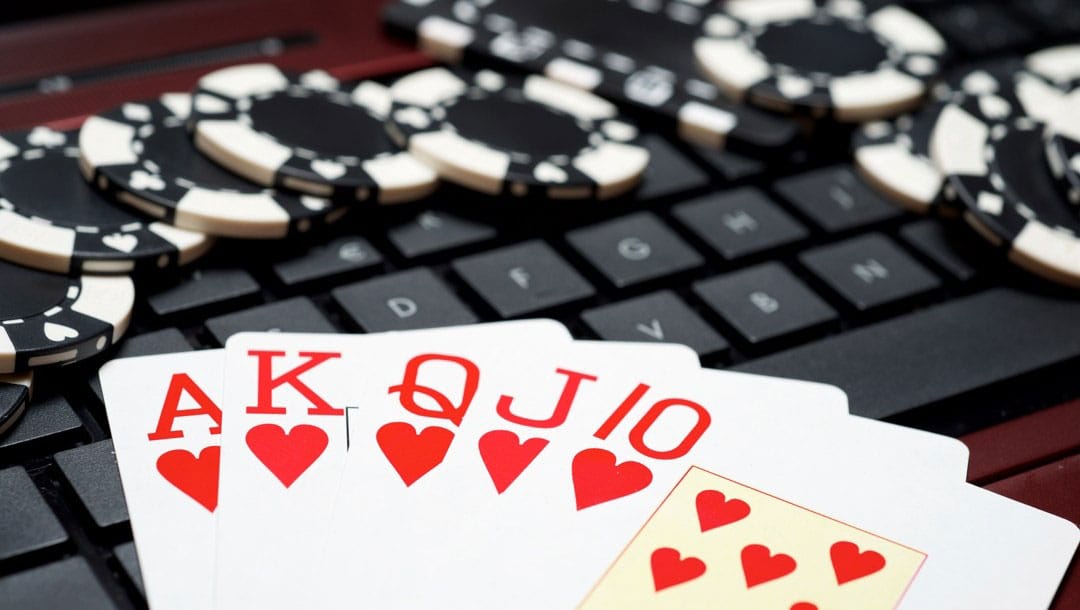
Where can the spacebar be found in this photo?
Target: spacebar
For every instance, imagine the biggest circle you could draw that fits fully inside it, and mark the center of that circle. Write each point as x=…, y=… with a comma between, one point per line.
x=937, y=353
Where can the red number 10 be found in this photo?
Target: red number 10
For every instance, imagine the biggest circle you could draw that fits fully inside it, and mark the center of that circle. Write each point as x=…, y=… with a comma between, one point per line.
x=637, y=433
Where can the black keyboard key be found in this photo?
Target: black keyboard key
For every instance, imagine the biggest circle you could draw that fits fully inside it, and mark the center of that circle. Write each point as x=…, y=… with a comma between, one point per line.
x=869, y=271
x=523, y=279
x=64, y=584
x=669, y=171
x=91, y=471
x=402, y=301
x=13, y=400
x=979, y=28
x=634, y=249
x=739, y=223
x=938, y=353
x=50, y=423
x=166, y=341
x=436, y=231
x=951, y=249
x=129, y=562
x=295, y=315
x=731, y=166
x=204, y=289
x=661, y=317
x=836, y=199
x=27, y=524
x=764, y=303
x=338, y=258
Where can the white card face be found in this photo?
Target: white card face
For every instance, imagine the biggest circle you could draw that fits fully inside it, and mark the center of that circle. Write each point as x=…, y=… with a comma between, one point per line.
x=165, y=420
x=282, y=449
x=986, y=551
x=286, y=438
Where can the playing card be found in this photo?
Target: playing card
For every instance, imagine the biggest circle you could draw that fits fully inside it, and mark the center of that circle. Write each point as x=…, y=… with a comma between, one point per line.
x=715, y=542
x=166, y=423
x=971, y=558
x=288, y=403
x=982, y=551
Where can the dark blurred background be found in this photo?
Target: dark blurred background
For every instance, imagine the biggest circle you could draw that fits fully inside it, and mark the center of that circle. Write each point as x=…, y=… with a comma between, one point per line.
x=21, y=10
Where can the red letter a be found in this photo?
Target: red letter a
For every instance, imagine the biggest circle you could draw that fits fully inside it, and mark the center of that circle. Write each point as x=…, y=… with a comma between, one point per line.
x=178, y=385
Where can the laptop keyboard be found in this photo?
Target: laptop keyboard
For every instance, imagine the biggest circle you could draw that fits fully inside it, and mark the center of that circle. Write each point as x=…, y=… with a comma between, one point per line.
x=792, y=267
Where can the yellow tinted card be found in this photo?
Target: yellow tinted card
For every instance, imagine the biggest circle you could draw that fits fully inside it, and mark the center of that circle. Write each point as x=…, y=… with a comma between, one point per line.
x=715, y=543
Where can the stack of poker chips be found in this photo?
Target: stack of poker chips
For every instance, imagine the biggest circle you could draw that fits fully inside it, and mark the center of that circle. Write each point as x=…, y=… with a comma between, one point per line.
x=255, y=153
x=997, y=146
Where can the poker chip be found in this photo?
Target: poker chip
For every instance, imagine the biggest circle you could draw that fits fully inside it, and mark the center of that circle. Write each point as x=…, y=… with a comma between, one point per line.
x=991, y=150
x=303, y=132
x=141, y=153
x=1057, y=65
x=894, y=156
x=48, y=319
x=1063, y=147
x=523, y=136
x=833, y=59
x=1061, y=65
x=51, y=219
x=14, y=396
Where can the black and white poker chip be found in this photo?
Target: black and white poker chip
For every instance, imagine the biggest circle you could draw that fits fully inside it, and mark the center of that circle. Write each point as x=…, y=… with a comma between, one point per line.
x=305, y=133
x=14, y=397
x=141, y=153
x=1063, y=147
x=51, y=219
x=991, y=148
x=894, y=156
x=50, y=319
x=1061, y=65
x=521, y=136
x=834, y=59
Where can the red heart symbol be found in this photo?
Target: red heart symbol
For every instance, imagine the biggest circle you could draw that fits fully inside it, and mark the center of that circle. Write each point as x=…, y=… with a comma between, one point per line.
x=598, y=479
x=804, y=606
x=506, y=457
x=195, y=476
x=714, y=510
x=413, y=454
x=849, y=564
x=669, y=568
x=287, y=455
x=760, y=565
